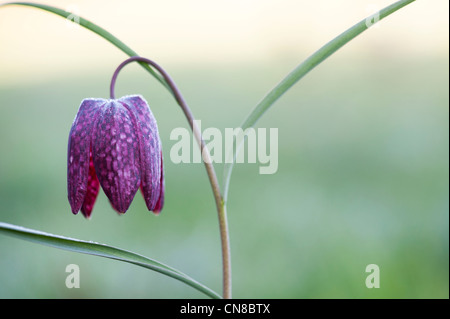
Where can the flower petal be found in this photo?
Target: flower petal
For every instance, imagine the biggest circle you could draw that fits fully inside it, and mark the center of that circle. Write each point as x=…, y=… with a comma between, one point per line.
x=160, y=203
x=78, y=153
x=92, y=190
x=150, y=151
x=116, y=155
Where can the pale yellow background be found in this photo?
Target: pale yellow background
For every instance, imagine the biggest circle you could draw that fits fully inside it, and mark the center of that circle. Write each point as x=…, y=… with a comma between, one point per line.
x=363, y=148
x=36, y=45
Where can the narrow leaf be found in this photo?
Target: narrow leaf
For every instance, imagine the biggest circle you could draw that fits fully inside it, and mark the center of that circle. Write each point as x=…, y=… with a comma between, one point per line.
x=101, y=250
x=94, y=28
x=300, y=71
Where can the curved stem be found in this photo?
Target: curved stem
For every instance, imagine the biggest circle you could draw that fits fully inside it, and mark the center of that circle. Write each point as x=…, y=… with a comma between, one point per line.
x=300, y=71
x=92, y=27
x=221, y=210
x=102, y=250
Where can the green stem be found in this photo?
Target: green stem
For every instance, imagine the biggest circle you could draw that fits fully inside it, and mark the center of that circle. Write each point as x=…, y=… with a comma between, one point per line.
x=221, y=211
x=300, y=71
x=204, y=150
x=101, y=250
x=226, y=256
x=94, y=28
x=314, y=60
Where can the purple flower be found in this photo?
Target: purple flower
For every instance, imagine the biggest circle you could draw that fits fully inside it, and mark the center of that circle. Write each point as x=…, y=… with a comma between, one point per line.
x=115, y=144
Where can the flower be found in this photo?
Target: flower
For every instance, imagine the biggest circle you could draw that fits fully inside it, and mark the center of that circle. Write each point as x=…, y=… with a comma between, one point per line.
x=114, y=143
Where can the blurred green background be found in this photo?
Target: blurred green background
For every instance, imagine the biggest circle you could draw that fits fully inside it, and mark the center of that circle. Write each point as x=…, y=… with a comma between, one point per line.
x=362, y=176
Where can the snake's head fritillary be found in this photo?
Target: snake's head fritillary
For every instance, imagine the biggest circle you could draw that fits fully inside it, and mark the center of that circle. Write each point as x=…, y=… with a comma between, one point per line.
x=115, y=144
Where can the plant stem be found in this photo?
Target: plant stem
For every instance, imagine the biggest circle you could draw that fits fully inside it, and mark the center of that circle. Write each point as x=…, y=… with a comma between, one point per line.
x=226, y=257
x=102, y=250
x=92, y=27
x=221, y=209
x=300, y=71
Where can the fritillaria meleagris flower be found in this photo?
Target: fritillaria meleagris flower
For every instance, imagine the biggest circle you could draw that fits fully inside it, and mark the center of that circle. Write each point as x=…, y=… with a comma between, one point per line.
x=114, y=143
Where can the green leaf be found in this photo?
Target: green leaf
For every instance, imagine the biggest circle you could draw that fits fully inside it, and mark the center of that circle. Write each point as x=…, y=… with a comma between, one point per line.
x=96, y=29
x=96, y=249
x=299, y=72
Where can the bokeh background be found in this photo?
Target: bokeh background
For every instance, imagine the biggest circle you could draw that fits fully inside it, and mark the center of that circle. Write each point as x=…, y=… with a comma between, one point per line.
x=363, y=148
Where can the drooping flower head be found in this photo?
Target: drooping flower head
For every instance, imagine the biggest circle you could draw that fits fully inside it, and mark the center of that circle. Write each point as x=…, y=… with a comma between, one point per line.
x=114, y=143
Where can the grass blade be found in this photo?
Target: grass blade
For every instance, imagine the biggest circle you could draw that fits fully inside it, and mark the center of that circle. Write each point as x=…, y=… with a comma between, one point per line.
x=94, y=28
x=102, y=250
x=299, y=72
